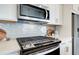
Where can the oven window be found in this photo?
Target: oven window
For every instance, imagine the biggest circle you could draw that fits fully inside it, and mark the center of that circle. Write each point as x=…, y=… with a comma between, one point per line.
x=32, y=11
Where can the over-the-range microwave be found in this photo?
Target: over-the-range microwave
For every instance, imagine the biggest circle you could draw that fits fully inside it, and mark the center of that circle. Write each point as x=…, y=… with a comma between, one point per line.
x=33, y=12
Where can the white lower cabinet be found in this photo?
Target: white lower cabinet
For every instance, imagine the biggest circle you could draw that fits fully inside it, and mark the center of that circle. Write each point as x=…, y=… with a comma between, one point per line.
x=66, y=48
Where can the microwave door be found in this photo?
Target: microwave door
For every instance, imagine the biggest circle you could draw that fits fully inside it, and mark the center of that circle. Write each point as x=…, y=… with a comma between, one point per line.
x=32, y=11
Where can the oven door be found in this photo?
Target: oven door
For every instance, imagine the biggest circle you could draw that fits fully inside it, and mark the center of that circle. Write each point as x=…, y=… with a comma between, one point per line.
x=55, y=52
x=43, y=50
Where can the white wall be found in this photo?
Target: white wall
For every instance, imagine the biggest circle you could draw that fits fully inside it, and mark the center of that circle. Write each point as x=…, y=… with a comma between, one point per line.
x=66, y=28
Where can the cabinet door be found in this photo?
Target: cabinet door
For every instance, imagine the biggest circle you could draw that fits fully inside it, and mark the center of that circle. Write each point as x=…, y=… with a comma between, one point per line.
x=46, y=6
x=55, y=13
x=75, y=8
x=8, y=12
x=66, y=48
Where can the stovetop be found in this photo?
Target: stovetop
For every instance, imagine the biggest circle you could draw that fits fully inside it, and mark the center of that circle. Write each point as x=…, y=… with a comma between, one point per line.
x=31, y=42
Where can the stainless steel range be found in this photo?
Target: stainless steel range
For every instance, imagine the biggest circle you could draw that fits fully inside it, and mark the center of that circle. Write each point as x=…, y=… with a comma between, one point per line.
x=37, y=44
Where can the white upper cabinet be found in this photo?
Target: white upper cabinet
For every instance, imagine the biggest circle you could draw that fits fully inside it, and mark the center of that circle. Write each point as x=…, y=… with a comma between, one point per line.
x=8, y=12
x=75, y=8
x=55, y=14
x=46, y=6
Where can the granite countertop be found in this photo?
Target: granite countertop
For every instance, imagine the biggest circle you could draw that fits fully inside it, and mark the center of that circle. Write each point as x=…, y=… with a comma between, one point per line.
x=7, y=47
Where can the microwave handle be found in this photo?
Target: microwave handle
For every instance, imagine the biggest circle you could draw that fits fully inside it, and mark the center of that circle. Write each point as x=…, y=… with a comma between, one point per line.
x=46, y=14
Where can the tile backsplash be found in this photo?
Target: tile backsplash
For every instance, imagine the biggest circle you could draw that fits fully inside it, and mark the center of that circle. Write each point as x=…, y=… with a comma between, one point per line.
x=23, y=29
